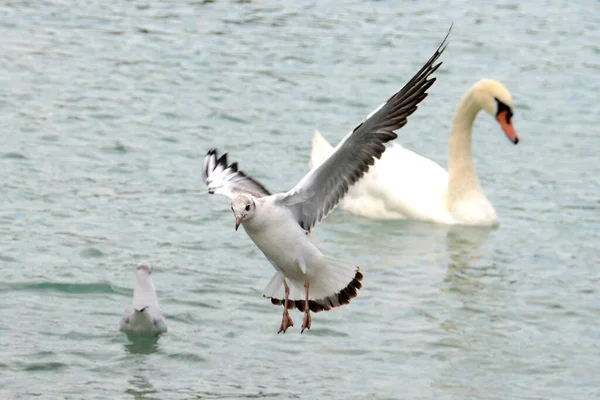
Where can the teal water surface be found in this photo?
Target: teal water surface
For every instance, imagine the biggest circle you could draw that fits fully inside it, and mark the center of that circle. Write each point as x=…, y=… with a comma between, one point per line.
x=108, y=108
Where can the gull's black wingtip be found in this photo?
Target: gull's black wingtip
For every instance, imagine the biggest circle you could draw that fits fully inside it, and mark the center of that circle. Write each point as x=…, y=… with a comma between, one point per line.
x=218, y=160
x=210, y=157
x=444, y=43
x=449, y=31
x=439, y=52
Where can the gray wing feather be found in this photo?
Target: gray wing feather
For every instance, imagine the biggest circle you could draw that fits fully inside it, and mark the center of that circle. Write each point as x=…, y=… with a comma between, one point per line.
x=227, y=180
x=319, y=192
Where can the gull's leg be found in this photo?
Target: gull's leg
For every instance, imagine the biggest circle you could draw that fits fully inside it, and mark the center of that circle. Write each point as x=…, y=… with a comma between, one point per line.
x=306, y=322
x=286, y=322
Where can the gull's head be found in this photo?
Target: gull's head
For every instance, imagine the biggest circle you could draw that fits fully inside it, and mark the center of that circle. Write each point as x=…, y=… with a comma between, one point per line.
x=243, y=207
x=144, y=268
x=496, y=100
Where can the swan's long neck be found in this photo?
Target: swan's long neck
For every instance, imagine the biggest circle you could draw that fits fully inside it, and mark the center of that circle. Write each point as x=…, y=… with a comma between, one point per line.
x=463, y=178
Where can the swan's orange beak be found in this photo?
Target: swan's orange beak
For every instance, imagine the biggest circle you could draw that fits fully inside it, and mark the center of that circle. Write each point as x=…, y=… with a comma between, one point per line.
x=507, y=126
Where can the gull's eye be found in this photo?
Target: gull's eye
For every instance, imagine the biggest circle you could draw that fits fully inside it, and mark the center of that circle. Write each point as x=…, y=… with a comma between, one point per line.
x=247, y=207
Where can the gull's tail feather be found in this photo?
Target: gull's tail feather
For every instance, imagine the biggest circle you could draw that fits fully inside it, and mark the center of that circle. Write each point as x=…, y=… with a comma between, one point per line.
x=321, y=150
x=335, y=287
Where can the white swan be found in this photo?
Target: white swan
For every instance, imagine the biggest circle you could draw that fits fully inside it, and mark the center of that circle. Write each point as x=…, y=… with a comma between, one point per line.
x=405, y=185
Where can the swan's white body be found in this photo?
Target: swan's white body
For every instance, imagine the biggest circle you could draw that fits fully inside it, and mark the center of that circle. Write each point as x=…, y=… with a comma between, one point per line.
x=405, y=185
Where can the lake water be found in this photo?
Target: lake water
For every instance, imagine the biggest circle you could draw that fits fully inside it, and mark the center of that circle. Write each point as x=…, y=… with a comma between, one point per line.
x=108, y=108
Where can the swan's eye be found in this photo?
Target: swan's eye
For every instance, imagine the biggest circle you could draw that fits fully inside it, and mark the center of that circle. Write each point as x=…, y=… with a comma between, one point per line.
x=247, y=207
x=503, y=107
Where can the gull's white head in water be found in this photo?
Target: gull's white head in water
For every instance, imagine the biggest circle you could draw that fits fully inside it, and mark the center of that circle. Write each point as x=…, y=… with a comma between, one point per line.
x=144, y=266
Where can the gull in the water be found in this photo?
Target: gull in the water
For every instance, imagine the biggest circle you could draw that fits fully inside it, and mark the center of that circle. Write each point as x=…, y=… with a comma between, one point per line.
x=279, y=223
x=143, y=315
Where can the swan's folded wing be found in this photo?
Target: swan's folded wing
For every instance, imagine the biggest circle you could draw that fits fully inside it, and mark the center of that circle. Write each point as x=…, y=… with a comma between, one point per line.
x=319, y=192
x=227, y=180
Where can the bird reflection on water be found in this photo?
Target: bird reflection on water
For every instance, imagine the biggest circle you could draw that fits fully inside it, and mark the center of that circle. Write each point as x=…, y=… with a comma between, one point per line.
x=467, y=251
x=142, y=343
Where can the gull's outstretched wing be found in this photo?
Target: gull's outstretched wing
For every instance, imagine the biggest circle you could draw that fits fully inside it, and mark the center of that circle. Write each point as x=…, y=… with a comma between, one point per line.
x=319, y=192
x=226, y=179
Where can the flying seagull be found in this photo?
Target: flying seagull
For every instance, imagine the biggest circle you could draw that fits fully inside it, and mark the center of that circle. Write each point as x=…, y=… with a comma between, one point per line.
x=143, y=315
x=278, y=223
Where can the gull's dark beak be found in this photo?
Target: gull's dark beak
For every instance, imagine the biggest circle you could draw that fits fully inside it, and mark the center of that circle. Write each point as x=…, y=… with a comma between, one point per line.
x=238, y=221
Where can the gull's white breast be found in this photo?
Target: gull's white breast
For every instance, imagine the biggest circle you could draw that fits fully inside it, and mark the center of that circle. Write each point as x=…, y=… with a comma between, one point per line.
x=285, y=244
